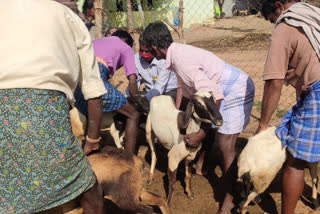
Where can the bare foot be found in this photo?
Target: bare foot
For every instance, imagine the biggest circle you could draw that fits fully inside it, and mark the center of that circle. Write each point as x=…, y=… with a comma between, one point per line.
x=198, y=170
x=227, y=205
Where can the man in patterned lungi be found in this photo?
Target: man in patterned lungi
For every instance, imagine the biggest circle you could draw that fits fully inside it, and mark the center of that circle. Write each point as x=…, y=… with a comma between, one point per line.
x=294, y=57
x=42, y=164
x=200, y=70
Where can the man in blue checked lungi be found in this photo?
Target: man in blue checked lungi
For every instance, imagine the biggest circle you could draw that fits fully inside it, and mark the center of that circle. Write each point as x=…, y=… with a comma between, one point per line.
x=294, y=57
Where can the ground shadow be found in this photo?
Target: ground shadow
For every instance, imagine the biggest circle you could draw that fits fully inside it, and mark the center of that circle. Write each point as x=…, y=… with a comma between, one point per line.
x=235, y=29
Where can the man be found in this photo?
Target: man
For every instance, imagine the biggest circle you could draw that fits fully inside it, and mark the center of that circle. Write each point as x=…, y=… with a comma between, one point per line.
x=293, y=56
x=42, y=165
x=153, y=73
x=200, y=70
x=112, y=53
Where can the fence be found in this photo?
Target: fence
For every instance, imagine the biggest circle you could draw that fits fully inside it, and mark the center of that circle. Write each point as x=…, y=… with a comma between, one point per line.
x=240, y=38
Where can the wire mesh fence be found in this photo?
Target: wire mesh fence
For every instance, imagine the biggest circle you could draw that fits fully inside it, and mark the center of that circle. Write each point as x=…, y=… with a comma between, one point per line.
x=237, y=33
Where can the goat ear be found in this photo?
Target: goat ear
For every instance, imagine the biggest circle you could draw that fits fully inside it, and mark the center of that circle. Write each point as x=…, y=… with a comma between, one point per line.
x=187, y=115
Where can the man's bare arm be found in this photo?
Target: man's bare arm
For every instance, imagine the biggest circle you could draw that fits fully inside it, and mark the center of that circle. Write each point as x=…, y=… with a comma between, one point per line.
x=270, y=101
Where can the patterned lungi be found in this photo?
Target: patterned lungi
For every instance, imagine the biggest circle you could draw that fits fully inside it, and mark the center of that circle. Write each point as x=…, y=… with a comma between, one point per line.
x=299, y=129
x=238, y=91
x=111, y=101
x=41, y=163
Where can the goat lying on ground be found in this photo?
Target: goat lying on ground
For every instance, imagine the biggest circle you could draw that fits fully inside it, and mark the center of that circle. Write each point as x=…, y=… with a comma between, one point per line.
x=120, y=174
x=164, y=122
x=258, y=164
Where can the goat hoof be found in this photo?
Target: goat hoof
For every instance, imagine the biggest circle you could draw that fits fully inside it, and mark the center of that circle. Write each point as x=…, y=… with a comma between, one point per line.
x=191, y=197
x=149, y=182
x=257, y=199
x=315, y=204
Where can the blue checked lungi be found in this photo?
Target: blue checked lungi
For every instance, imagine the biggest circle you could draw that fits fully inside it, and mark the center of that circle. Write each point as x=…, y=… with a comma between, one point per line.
x=299, y=130
x=238, y=91
x=111, y=101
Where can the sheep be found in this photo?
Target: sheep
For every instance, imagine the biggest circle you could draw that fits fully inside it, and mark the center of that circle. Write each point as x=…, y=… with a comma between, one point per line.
x=164, y=122
x=120, y=175
x=258, y=164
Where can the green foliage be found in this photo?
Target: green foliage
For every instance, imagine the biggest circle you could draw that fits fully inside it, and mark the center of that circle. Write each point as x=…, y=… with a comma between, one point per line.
x=118, y=19
x=280, y=113
x=258, y=105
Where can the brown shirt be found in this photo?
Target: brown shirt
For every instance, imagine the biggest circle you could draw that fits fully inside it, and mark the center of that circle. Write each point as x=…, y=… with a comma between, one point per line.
x=292, y=58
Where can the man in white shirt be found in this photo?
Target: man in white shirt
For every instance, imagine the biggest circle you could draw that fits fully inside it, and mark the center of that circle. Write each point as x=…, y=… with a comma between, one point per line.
x=157, y=79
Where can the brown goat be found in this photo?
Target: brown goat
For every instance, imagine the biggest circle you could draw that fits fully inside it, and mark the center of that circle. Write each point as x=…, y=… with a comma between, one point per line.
x=120, y=175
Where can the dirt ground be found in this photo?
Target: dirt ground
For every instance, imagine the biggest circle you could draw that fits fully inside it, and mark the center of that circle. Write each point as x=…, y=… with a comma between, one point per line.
x=243, y=42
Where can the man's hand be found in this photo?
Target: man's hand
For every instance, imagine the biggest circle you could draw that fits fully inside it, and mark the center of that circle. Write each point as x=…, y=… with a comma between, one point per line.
x=133, y=87
x=261, y=127
x=194, y=139
x=93, y=130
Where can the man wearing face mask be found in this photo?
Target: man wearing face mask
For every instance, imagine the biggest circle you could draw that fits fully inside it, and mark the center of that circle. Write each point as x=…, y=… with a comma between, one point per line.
x=294, y=56
x=153, y=73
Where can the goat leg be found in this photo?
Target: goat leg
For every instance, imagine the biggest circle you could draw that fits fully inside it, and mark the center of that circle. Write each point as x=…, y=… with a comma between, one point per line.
x=152, y=199
x=251, y=196
x=172, y=180
x=151, y=141
x=143, y=209
x=313, y=169
x=188, y=179
x=116, y=136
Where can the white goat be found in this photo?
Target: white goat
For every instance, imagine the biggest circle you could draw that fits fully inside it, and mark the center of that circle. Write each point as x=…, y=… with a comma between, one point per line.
x=258, y=164
x=79, y=124
x=108, y=123
x=164, y=122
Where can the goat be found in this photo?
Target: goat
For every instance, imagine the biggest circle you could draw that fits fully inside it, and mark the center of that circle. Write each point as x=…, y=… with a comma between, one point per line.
x=258, y=164
x=110, y=121
x=120, y=175
x=164, y=122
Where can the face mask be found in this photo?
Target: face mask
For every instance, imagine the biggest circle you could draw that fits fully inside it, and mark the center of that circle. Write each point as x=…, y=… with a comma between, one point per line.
x=146, y=56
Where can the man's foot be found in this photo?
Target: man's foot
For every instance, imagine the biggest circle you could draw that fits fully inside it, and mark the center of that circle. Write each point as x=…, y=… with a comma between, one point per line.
x=198, y=170
x=227, y=205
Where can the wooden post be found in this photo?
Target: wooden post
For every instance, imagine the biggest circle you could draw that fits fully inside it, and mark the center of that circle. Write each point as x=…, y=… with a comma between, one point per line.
x=98, y=8
x=180, y=26
x=141, y=14
x=130, y=21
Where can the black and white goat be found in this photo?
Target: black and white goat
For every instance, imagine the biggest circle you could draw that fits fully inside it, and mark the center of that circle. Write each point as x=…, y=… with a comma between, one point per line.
x=164, y=123
x=259, y=163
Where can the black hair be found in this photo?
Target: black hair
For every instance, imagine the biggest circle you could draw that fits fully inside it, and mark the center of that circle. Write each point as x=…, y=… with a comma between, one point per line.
x=142, y=41
x=157, y=34
x=269, y=6
x=122, y=34
x=87, y=5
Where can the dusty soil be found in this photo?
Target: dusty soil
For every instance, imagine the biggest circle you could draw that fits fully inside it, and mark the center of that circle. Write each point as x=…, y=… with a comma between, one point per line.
x=243, y=42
